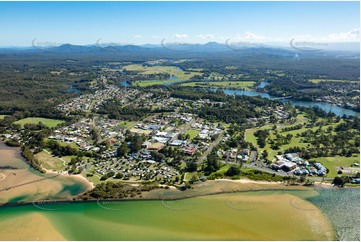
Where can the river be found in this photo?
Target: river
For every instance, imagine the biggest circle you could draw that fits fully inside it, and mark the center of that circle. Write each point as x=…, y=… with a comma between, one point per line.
x=264, y=215
x=339, y=111
x=325, y=214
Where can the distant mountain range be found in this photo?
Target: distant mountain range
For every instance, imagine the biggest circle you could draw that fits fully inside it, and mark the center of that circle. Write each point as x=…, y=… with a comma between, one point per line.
x=208, y=47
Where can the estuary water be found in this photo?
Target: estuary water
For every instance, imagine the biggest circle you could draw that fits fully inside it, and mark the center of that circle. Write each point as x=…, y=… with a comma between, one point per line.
x=326, y=214
x=342, y=207
x=21, y=183
x=266, y=215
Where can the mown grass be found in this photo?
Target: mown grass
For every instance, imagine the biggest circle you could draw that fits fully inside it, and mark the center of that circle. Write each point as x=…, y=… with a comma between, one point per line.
x=329, y=80
x=148, y=83
x=62, y=143
x=170, y=70
x=332, y=162
x=192, y=133
x=222, y=84
x=47, y=122
x=127, y=124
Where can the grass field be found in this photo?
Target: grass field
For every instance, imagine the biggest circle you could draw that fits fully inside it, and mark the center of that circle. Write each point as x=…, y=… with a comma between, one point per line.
x=127, y=124
x=192, y=133
x=170, y=70
x=62, y=143
x=332, y=162
x=148, y=83
x=329, y=80
x=223, y=169
x=47, y=122
x=223, y=84
x=2, y=116
x=50, y=162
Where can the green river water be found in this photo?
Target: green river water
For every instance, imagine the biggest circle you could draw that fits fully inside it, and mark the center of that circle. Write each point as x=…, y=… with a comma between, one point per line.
x=323, y=214
x=272, y=216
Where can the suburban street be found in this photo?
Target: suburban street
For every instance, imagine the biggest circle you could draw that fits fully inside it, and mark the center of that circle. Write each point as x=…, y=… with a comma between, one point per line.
x=210, y=148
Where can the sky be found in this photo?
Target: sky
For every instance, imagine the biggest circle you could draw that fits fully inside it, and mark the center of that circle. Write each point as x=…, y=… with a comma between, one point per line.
x=121, y=23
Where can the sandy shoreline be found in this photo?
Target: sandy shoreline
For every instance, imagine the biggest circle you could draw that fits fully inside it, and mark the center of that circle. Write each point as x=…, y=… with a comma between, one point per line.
x=90, y=185
x=210, y=187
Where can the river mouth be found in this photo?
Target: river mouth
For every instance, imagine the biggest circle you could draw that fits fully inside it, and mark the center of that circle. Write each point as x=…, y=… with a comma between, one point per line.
x=22, y=183
x=227, y=216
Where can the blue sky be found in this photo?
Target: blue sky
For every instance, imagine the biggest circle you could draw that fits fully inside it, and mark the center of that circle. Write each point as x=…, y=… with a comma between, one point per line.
x=22, y=23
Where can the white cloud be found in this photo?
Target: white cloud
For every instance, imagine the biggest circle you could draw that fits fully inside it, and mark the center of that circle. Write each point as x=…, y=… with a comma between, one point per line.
x=304, y=37
x=138, y=36
x=352, y=35
x=181, y=36
x=247, y=36
x=205, y=36
x=345, y=36
x=224, y=37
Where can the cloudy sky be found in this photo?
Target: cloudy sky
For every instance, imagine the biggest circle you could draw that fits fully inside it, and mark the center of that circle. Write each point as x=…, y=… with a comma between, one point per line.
x=22, y=23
